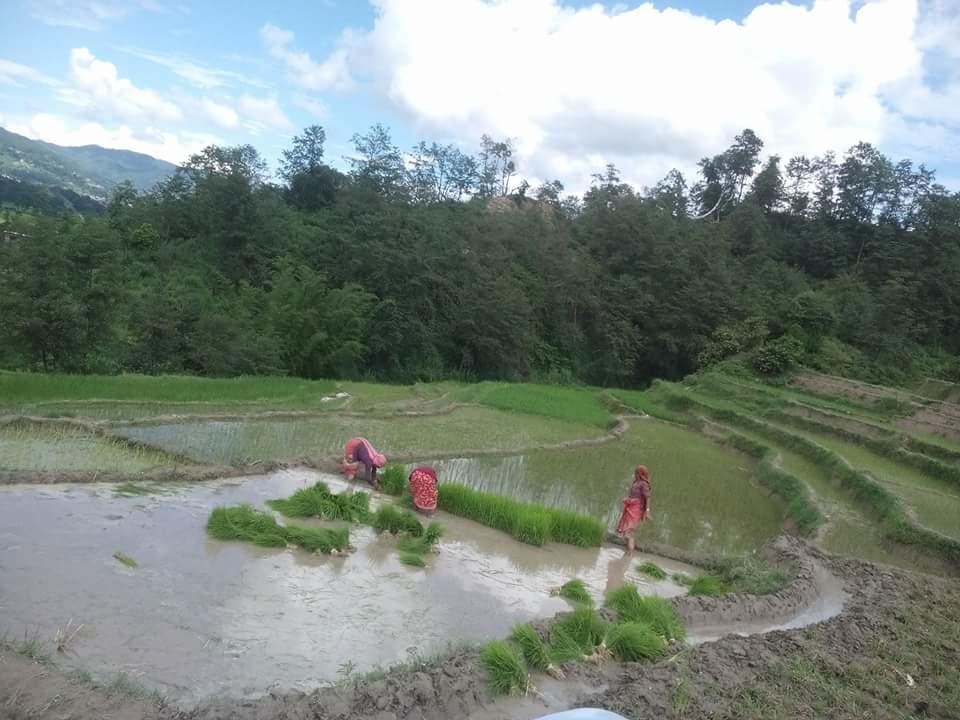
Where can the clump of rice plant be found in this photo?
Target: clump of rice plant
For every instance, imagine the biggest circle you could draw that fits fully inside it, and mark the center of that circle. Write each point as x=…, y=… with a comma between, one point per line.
x=505, y=672
x=585, y=626
x=634, y=641
x=754, y=576
x=655, y=612
x=563, y=648
x=243, y=522
x=433, y=533
x=527, y=522
x=317, y=501
x=575, y=591
x=393, y=480
x=125, y=559
x=535, y=652
x=394, y=520
x=682, y=579
x=653, y=570
x=413, y=559
x=709, y=586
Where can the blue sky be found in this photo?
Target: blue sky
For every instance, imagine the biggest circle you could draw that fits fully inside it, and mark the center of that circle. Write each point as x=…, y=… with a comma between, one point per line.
x=575, y=84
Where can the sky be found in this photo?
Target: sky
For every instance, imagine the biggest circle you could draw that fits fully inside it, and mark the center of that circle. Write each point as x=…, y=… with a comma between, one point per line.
x=575, y=85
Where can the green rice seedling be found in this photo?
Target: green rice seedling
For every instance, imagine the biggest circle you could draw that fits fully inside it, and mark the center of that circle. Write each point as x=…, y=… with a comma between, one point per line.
x=709, y=586
x=413, y=545
x=323, y=540
x=586, y=627
x=563, y=648
x=393, y=481
x=653, y=611
x=433, y=533
x=634, y=641
x=412, y=559
x=394, y=520
x=242, y=522
x=505, y=672
x=527, y=522
x=317, y=501
x=124, y=559
x=754, y=576
x=532, y=647
x=652, y=570
x=682, y=579
x=575, y=591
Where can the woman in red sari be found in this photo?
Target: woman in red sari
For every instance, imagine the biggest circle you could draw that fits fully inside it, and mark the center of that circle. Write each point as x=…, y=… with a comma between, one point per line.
x=636, y=506
x=423, y=488
x=360, y=454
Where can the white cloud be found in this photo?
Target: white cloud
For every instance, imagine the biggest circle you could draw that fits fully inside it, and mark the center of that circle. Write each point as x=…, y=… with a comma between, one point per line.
x=12, y=73
x=332, y=73
x=313, y=106
x=165, y=145
x=645, y=88
x=223, y=115
x=99, y=88
x=88, y=14
x=201, y=76
x=263, y=112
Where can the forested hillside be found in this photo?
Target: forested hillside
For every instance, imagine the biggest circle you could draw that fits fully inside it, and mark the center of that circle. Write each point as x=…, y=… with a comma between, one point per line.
x=437, y=263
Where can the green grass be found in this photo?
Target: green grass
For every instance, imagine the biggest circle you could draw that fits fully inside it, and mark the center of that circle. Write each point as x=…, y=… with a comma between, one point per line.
x=634, y=641
x=317, y=501
x=395, y=520
x=709, y=586
x=243, y=522
x=535, y=652
x=578, y=405
x=575, y=591
x=124, y=559
x=505, y=672
x=527, y=522
x=653, y=570
x=393, y=480
x=652, y=611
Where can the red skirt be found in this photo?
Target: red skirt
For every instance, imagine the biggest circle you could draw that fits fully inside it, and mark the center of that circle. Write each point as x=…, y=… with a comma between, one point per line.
x=423, y=487
x=630, y=517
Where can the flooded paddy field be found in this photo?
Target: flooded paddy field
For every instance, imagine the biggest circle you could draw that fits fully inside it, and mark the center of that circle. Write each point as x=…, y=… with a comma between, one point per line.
x=196, y=618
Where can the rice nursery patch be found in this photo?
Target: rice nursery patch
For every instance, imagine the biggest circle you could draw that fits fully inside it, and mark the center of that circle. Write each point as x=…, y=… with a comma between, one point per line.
x=634, y=641
x=317, y=501
x=653, y=570
x=652, y=611
x=534, y=650
x=575, y=591
x=528, y=522
x=243, y=522
x=505, y=673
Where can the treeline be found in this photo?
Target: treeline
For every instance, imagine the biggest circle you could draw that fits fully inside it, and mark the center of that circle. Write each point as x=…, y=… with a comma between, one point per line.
x=438, y=263
x=45, y=198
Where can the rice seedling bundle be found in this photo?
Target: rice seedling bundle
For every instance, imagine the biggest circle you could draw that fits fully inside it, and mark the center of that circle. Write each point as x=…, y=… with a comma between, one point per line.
x=317, y=501
x=634, y=641
x=242, y=522
x=505, y=673
x=655, y=612
x=412, y=559
x=393, y=480
x=652, y=570
x=394, y=520
x=575, y=591
x=585, y=627
x=433, y=533
x=563, y=648
x=532, y=647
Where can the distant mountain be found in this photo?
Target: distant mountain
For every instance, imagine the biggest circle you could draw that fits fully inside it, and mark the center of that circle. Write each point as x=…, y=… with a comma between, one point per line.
x=88, y=170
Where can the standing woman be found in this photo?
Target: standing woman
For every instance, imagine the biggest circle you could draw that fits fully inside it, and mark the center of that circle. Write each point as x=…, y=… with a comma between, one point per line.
x=423, y=488
x=636, y=506
x=359, y=452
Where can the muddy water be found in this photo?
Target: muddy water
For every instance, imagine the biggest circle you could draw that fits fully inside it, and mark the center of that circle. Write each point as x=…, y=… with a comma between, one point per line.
x=703, y=497
x=199, y=618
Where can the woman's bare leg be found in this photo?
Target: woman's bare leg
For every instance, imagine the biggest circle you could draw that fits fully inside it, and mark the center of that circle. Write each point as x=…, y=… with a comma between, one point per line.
x=631, y=544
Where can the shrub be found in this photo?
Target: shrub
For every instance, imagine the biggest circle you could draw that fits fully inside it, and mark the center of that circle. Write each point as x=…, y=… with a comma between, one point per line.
x=776, y=357
x=633, y=641
x=505, y=672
